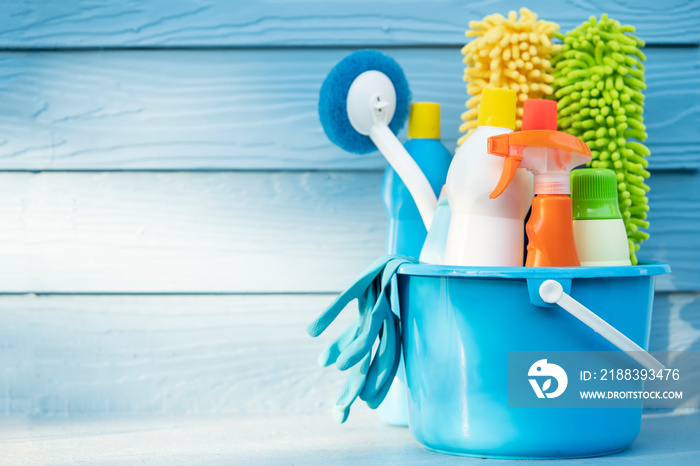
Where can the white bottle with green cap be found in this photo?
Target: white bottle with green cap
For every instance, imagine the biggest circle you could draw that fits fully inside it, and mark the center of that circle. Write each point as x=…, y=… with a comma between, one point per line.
x=599, y=232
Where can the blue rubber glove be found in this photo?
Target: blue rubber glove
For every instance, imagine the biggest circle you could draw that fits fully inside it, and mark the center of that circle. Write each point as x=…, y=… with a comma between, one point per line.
x=369, y=377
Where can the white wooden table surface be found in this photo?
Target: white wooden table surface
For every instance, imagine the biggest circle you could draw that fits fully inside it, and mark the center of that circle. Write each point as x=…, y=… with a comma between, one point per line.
x=285, y=439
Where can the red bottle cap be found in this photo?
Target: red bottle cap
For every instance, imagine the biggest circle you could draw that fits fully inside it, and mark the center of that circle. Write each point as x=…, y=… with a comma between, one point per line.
x=539, y=114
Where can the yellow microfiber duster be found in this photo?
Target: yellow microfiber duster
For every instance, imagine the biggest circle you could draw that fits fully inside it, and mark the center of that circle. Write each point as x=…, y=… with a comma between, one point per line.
x=599, y=79
x=512, y=53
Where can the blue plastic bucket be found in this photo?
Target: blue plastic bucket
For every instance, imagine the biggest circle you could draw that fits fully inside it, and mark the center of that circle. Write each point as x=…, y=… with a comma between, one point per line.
x=458, y=325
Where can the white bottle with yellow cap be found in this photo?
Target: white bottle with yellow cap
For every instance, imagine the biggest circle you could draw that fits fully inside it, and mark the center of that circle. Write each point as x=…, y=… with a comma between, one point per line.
x=484, y=231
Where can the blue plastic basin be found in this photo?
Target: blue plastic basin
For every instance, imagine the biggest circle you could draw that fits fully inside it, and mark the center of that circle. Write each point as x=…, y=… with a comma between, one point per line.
x=458, y=325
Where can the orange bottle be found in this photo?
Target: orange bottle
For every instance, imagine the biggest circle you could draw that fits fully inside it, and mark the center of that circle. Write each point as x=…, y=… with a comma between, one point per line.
x=550, y=155
x=550, y=233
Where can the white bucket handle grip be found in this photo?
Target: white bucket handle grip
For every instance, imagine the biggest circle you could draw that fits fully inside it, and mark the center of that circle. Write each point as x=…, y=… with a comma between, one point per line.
x=552, y=292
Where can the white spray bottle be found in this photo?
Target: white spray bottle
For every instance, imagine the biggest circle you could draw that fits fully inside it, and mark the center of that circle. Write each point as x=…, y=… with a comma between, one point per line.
x=483, y=231
x=433, y=251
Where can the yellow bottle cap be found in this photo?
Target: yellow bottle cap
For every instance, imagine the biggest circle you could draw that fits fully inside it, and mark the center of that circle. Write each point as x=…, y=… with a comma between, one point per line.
x=497, y=108
x=424, y=120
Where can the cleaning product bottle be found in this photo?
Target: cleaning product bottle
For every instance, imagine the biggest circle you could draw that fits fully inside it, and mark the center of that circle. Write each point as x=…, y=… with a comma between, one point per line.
x=599, y=232
x=406, y=231
x=550, y=155
x=485, y=232
x=433, y=251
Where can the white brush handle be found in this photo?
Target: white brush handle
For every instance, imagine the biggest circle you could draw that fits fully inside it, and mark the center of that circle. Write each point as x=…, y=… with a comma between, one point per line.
x=407, y=169
x=551, y=291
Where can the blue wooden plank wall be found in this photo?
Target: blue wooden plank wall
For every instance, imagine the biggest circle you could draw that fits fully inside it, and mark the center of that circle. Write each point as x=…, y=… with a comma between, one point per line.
x=171, y=214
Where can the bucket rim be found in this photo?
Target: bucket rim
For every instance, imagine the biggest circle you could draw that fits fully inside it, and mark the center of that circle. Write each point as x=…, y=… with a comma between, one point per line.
x=644, y=268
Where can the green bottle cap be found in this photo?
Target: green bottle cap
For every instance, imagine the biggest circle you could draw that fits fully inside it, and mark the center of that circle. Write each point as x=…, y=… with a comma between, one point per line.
x=594, y=194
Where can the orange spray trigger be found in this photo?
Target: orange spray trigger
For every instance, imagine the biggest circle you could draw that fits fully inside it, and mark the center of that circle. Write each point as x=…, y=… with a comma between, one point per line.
x=551, y=158
x=500, y=145
x=510, y=166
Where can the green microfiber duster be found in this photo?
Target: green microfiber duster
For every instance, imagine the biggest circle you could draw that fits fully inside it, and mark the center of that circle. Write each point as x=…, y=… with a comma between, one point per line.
x=598, y=81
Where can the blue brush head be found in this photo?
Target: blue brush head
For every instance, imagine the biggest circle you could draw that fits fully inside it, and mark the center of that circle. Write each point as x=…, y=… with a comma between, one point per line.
x=332, y=104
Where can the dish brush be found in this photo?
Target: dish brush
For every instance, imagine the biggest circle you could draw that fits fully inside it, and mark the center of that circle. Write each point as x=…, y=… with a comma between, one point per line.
x=363, y=103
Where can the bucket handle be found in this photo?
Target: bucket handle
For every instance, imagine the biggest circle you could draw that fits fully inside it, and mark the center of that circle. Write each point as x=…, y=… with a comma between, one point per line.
x=551, y=291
